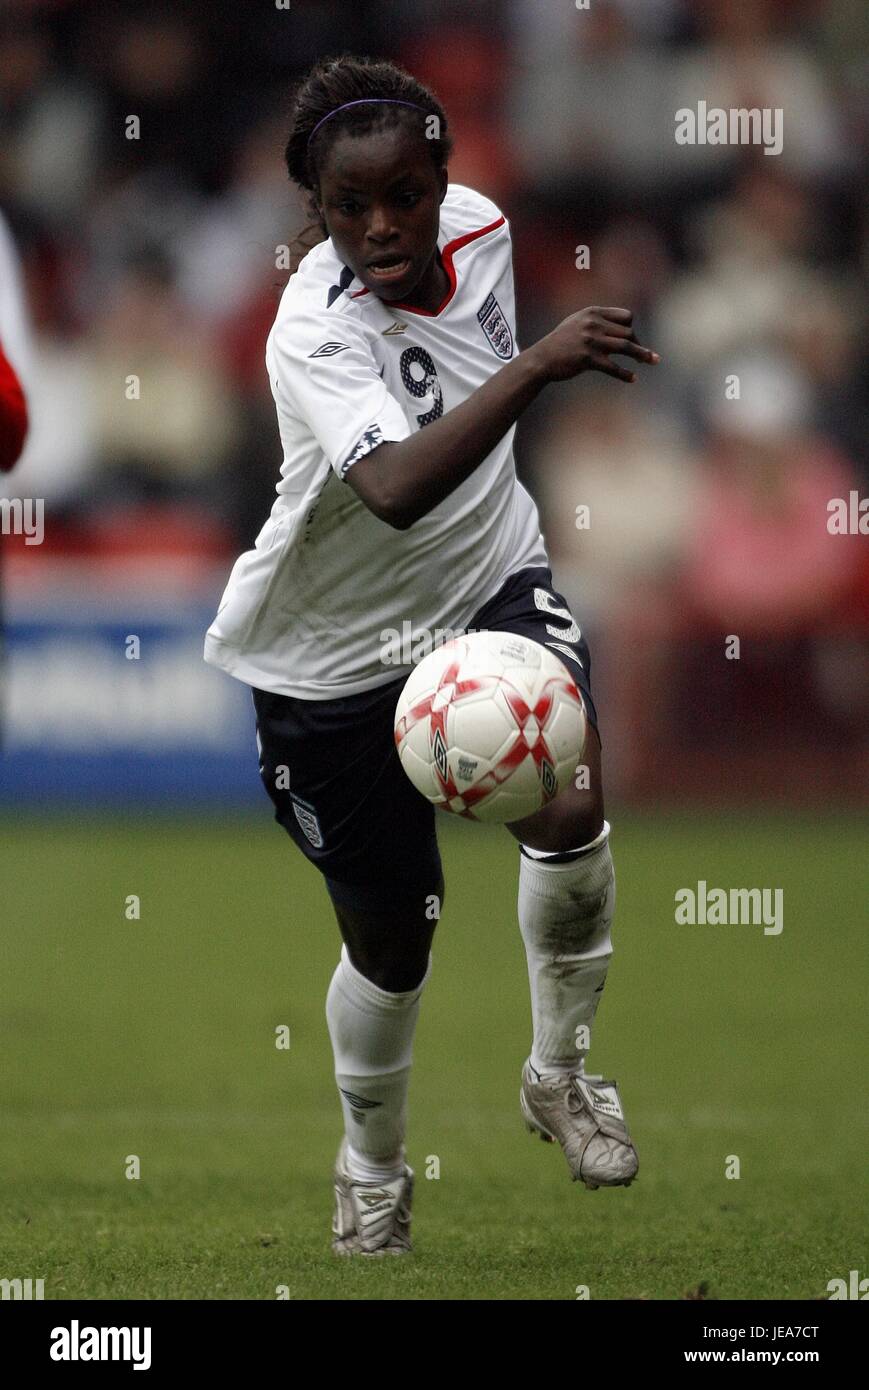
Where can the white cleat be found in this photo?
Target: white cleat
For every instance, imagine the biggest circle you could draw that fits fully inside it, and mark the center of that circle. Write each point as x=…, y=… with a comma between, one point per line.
x=584, y=1115
x=371, y=1218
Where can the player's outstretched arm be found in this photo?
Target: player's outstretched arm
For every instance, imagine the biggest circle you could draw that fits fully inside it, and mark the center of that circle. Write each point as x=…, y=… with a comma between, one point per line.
x=401, y=481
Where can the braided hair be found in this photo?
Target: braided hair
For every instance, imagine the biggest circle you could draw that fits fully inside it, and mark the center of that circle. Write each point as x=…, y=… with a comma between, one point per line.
x=385, y=94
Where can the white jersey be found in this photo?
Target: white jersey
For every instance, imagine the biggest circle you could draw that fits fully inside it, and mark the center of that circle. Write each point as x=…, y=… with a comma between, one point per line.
x=309, y=610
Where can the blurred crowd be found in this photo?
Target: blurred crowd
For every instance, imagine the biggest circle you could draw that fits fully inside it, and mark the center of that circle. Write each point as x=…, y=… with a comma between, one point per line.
x=706, y=483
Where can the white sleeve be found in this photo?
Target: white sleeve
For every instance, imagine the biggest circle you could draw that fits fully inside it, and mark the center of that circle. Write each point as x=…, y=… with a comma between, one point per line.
x=323, y=369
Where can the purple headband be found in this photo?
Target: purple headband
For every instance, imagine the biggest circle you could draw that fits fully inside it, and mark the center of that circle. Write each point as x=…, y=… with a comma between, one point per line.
x=364, y=101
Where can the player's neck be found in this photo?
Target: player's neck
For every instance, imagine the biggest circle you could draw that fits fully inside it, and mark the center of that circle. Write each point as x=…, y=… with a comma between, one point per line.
x=432, y=289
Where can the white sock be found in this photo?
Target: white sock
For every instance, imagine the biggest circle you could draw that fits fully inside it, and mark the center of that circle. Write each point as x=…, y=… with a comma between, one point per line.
x=372, y=1039
x=565, y=915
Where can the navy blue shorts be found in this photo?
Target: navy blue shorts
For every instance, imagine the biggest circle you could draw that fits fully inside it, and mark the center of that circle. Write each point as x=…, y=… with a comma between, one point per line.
x=332, y=770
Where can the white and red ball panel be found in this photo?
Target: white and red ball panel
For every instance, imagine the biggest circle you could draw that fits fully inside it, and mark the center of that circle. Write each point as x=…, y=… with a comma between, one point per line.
x=490, y=726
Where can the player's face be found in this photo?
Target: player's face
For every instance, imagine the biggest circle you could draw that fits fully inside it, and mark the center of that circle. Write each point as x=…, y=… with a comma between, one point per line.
x=380, y=196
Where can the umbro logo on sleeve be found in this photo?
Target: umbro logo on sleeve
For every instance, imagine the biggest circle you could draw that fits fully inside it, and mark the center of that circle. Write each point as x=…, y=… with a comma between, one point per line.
x=329, y=349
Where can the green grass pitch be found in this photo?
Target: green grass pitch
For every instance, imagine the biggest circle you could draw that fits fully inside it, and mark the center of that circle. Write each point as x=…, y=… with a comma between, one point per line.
x=156, y=1038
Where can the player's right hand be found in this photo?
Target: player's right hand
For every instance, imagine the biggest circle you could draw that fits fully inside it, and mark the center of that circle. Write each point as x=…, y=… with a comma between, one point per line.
x=586, y=341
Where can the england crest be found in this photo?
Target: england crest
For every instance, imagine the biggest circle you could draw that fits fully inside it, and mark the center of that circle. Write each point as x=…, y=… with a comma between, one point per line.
x=496, y=327
x=307, y=818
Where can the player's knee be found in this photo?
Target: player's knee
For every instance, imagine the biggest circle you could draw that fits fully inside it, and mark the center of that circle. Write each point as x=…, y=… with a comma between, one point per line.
x=388, y=930
x=578, y=816
x=394, y=961
x=394, y=977
x=578, y=827
x=570, y=822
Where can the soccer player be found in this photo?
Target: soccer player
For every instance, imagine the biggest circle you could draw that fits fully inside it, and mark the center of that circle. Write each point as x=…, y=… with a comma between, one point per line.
x=397, y=381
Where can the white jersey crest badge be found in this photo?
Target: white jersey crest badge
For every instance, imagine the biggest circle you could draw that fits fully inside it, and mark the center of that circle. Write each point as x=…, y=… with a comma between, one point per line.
x=496, y=328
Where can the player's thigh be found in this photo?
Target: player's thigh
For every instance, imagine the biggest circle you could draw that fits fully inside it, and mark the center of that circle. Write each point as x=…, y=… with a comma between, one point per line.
x=529, y=605
x=333, y=774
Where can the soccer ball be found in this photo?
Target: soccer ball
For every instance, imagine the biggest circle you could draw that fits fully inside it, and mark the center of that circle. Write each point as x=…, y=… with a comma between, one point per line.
x=490, y=726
